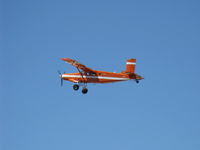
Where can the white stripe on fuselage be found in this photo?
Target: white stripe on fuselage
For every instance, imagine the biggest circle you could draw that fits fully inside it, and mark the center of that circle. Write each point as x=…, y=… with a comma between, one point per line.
x=95, y=77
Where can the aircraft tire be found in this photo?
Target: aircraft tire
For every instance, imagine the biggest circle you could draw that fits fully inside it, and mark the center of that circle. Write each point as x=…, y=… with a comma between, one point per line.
x=76, y=87
x=137, y=81
x=84, y=90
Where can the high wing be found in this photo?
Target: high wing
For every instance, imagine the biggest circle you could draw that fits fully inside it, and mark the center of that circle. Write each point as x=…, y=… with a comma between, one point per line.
x=77, y=64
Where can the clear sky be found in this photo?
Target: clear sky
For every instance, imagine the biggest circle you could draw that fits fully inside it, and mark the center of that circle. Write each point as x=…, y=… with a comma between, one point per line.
x=160, y=113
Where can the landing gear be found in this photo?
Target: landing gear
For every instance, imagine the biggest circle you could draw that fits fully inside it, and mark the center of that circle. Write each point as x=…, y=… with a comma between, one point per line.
x=76, y=87
x=84, y=90
x=137, y=81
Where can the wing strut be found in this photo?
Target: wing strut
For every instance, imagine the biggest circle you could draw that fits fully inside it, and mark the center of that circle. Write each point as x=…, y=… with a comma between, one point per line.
x=81, y=74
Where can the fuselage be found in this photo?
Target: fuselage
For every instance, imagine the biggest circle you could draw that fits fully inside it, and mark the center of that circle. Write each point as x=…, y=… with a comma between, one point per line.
x=99, y=77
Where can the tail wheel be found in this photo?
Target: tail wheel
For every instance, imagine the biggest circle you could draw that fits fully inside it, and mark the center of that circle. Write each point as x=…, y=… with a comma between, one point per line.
x=84, y=90
x=76, y=87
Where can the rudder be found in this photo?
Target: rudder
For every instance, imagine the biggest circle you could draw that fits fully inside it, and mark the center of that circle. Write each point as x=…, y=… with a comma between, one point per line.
x=130, y=66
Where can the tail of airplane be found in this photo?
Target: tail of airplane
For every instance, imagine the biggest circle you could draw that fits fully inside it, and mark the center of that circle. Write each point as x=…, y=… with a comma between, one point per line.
x=130, y=66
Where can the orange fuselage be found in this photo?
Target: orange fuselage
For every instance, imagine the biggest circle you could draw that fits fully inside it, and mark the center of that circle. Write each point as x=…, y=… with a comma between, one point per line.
x=99, y=77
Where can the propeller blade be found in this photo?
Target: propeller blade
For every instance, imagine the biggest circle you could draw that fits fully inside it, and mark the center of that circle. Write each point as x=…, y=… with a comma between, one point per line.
x=59, y=72
x=61, y=81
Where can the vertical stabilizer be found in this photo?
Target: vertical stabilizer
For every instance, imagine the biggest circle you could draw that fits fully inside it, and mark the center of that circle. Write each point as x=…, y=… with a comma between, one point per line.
x=130, y=66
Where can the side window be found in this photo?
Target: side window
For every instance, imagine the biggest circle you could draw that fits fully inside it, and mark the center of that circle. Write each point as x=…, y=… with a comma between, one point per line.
x=90, y=74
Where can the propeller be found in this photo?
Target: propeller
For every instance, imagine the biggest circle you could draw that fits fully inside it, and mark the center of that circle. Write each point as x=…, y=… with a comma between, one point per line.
x=61, y=79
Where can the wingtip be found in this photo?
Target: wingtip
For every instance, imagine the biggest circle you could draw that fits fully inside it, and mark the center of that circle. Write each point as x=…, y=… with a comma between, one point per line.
x=64, y=59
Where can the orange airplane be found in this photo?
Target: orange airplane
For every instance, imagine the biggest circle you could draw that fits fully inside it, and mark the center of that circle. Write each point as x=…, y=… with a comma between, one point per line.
x=87, y=75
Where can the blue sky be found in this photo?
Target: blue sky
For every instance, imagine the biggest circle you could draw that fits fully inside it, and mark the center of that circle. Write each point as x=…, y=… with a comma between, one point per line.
x=162, y=112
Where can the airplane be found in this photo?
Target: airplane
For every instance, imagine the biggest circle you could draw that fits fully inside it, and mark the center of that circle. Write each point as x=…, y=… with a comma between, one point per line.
x=87, y=75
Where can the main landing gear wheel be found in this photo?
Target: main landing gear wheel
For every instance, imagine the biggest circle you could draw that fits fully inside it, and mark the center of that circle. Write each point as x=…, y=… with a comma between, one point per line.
x=84, y=90
x=76, y=87
x=137, y=81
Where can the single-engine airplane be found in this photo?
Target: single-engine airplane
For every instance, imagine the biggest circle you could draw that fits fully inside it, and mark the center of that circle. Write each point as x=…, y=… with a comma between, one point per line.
x=87, y=75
